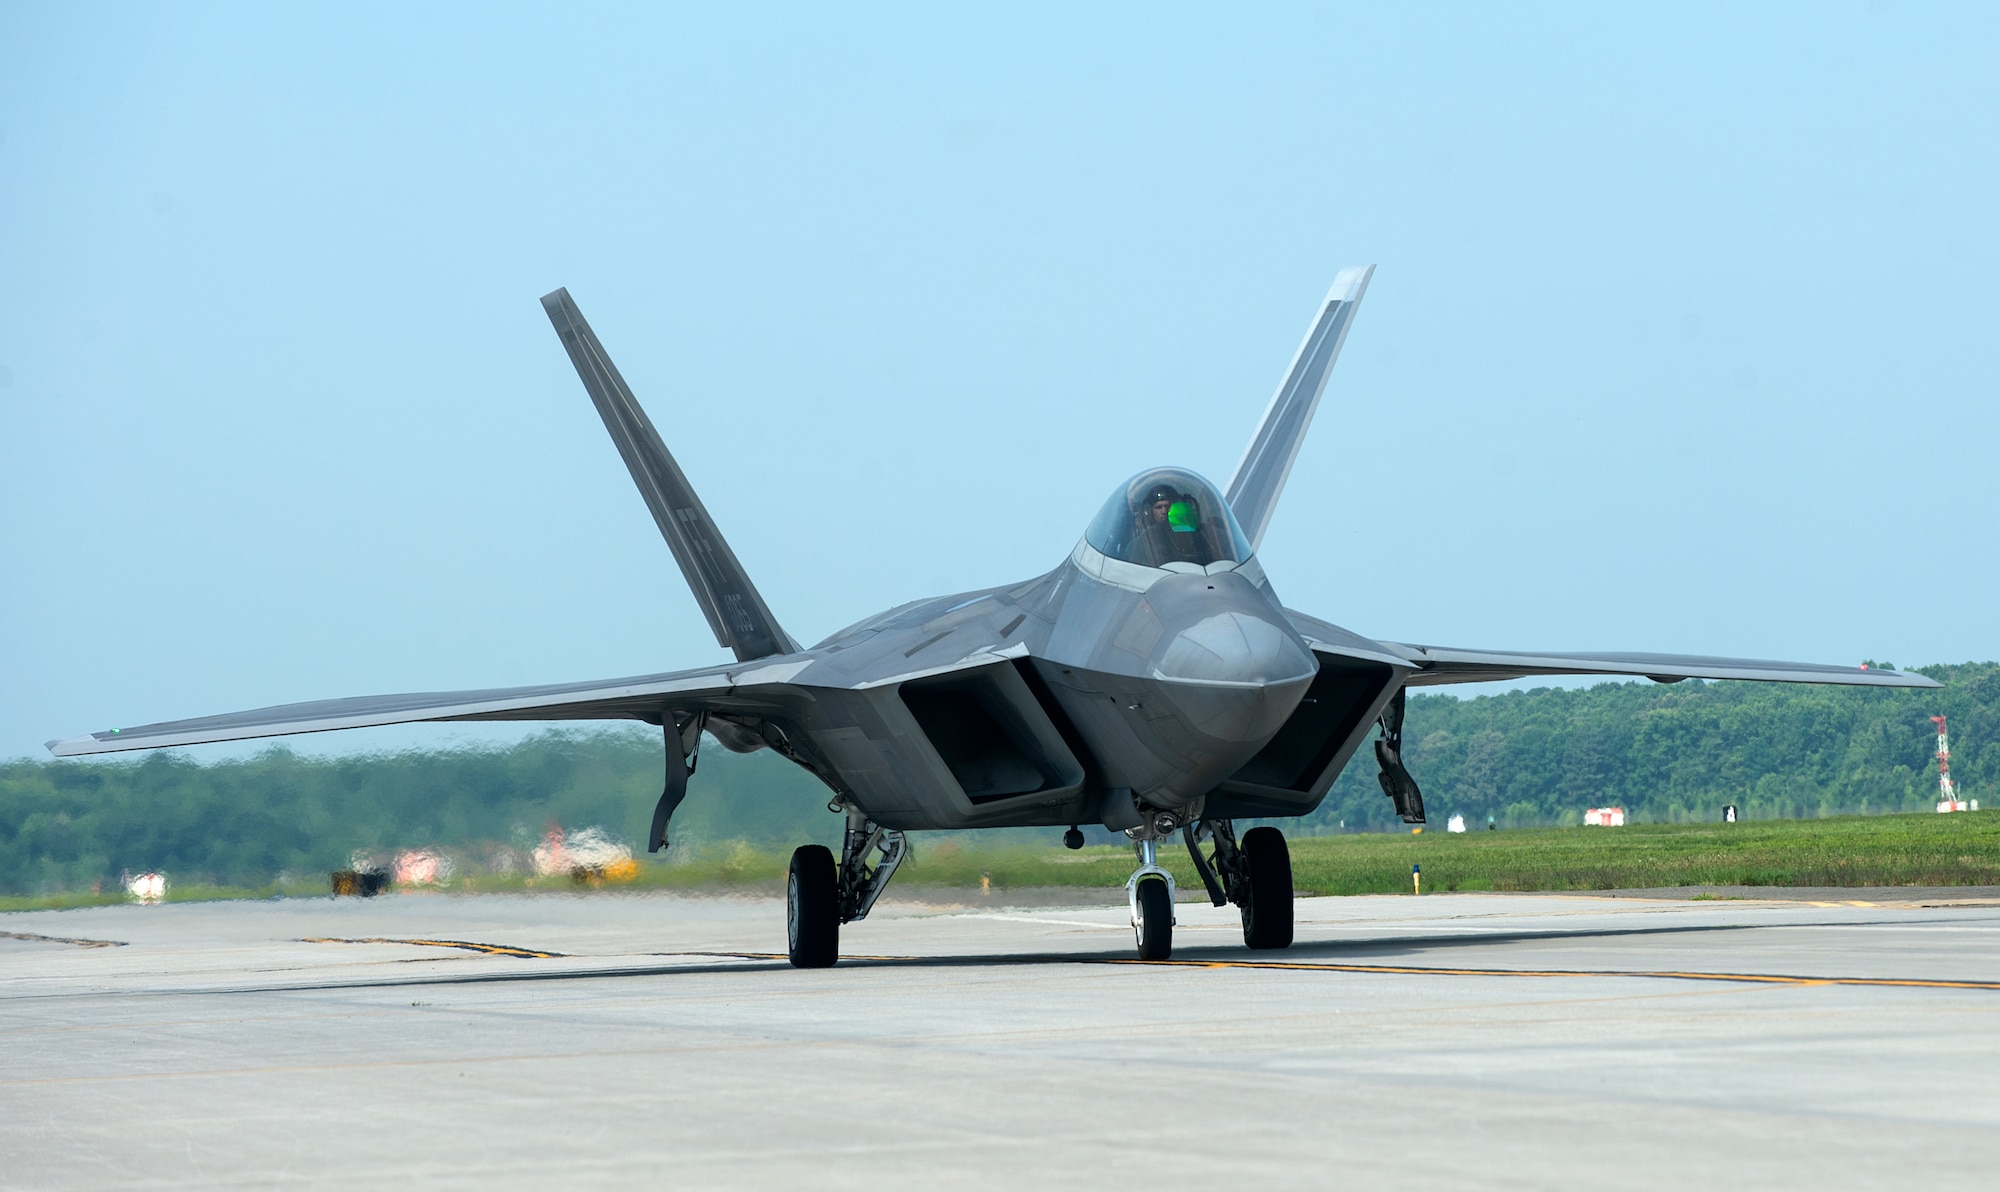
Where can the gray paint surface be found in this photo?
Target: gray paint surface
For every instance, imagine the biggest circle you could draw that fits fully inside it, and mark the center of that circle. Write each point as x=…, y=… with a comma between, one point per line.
x=1110, y=690
x=215, y=1049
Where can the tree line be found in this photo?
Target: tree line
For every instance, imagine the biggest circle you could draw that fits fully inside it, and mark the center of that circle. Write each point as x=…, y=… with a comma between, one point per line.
x=1680, y=752
x=1524, y=758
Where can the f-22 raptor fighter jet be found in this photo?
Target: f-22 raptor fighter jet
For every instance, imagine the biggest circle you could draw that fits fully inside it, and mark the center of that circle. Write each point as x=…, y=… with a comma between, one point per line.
x=1152, y=682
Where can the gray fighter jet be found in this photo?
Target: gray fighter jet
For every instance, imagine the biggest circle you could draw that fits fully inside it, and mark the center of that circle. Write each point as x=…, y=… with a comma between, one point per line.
x=1152, y=682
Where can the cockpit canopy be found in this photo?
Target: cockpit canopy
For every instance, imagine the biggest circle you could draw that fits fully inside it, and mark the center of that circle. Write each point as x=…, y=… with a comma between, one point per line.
x=1168, y=515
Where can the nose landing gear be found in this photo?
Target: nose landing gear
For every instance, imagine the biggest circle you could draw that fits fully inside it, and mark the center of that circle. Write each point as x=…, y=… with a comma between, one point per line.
x=1256, y=875
x=1151, y=893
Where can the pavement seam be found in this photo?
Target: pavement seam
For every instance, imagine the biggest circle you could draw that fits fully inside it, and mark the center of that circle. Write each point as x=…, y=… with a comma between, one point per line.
x=467, y=945
x=59, y=939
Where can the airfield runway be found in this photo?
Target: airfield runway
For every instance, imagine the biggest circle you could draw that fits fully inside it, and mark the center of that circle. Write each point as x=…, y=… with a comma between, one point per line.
x=1448, y=1041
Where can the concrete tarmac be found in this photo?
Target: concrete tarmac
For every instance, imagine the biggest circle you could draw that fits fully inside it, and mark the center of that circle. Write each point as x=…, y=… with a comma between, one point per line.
x=1447, y=1041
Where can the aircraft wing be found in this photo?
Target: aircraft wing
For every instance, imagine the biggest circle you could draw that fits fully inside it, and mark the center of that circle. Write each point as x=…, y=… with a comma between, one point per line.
x=753, y=688
x=1443, y=664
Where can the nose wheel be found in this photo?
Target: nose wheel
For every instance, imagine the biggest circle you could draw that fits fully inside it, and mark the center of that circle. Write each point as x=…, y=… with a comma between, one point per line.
x=1153, y=922
x=1151, y=892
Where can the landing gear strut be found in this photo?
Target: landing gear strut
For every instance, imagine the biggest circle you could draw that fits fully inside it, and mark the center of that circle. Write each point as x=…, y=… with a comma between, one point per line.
x=683, y=751
x=1151, y=892
x=1396, y=781
x=821, y=895
x=1256, y=875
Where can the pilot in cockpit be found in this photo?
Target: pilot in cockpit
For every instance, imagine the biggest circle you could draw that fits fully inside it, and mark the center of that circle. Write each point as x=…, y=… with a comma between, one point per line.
x=1166, y=516
x=1170, y=519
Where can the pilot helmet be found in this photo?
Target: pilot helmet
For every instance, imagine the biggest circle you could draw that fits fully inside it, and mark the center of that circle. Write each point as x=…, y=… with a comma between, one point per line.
x=1182, y=514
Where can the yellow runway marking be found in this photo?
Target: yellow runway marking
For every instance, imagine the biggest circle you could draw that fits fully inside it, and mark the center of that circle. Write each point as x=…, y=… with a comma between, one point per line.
x=1424, y=971
x=469, y=946
x=1667, y=974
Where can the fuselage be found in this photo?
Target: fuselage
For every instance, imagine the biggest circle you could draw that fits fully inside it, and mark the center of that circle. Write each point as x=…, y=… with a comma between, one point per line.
x=1174, y=678
x=1124, y=687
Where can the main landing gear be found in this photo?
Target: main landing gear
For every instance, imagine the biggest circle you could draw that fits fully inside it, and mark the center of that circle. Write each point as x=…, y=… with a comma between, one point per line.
x=1255, y=874
x=1395, y=779
x=820, y=894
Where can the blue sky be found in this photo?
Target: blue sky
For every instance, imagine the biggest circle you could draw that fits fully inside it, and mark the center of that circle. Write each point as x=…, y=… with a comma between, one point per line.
x=1681, y=337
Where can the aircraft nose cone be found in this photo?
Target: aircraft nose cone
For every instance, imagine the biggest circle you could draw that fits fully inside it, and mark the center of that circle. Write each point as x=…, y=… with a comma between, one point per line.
x=1235, y=647
x=1236, y=676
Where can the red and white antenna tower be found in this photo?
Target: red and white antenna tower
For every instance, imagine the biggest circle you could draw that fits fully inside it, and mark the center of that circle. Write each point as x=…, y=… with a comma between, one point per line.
x=1947, y=794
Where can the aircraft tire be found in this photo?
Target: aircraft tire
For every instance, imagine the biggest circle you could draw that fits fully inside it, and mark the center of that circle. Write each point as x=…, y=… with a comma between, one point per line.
x=812, y=908
x=1267, y=915
x=1155, y=928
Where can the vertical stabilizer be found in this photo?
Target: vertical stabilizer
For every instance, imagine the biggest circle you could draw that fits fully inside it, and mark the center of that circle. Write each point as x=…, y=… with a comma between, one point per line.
x=736, y=612
x=1260, y=477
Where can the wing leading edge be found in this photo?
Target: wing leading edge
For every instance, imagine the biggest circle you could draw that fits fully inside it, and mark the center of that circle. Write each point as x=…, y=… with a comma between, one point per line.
x=735, y=609
x=738, y=688
x=1440, y=665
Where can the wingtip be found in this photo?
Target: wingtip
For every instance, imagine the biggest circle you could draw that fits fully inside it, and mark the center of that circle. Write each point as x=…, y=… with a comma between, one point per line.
x=1350, y=283
x=69, y=746
x=555, y=299
x=1898, y=678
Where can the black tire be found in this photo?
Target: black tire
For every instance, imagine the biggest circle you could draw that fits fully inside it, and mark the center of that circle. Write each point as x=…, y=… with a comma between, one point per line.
x=1155, y=928
x=812, y=908
x=1267, y=915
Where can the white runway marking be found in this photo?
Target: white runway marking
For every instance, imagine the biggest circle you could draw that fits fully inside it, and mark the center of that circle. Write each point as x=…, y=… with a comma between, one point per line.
x=1036, y=919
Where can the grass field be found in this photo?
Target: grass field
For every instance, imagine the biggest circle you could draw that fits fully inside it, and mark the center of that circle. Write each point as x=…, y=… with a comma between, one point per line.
x=1893, y=850
x=1900, y=850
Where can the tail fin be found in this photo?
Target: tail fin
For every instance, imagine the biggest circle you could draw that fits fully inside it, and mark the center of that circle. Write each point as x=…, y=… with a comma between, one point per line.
x=741, y=620
x=1267, y=462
